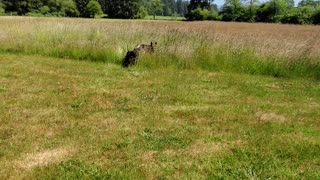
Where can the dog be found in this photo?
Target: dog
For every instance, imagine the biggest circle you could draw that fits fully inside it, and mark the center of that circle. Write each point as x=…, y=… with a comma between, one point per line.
x=131, y=57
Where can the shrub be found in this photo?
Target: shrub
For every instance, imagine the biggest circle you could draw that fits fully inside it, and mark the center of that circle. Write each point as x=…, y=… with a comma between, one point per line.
x=44, y=10
x=63, y=8
x=34, y=14
x=316, y=17
x=2, y=8
x=122, y=9
x=209, y=14
x=305, y=14
x=301, y=15
x=203, y=14
x=265, y=12
x=69, y=8
x=291, y=17
x=93, y=8
x=142, y=13
x=233, y=11
x=250, y=13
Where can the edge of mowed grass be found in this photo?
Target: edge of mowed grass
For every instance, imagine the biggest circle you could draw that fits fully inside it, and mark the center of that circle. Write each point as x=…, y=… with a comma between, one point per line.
x=214, y=59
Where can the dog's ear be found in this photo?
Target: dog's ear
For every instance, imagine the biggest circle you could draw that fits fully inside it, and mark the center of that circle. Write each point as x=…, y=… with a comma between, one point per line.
x=151, y=44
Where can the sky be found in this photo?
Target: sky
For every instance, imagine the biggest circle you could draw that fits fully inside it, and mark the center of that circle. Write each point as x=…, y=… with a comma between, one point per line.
x=221, y=2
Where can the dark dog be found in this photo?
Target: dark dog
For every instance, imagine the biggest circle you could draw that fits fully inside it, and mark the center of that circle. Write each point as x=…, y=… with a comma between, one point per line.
x=132, y=56
x=130, y=59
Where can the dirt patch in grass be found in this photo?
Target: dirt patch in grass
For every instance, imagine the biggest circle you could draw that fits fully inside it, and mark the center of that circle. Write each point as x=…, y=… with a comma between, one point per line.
x=270, y=117
x=314, y=105
x=212, y=74
x=148, y=158
x=278, y=85
x=149, y=164
x=44, y=158
x=199, y=149
x=185, y=108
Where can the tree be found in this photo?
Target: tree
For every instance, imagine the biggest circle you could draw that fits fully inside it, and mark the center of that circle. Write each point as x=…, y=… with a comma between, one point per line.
x=264, y=13
x=69, y=8
x=182, y=7
x=93, y=8
x=142, y=13
x=170, y=7
x=22, y=7
x=195, y=7
x=44, y=10
x=304, y=14
x=204, y=14
x=316, y=17
x=126, y=9
x=2, y=8
x=63, y=8
x=250, y=13
x=300, y=15
x=199, y=3
x=233, y=10
x=275, y=10
x=156, y=8
x=104, y=5
x=250, y=10
x=311, y=3
x=81, y=6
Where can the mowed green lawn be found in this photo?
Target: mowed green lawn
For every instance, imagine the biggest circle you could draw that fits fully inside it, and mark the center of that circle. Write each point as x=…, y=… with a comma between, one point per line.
x=63, y=118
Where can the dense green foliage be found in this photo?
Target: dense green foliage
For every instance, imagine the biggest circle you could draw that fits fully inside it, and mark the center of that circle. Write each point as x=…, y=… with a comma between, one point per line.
x=156, y=7
x=93, y=8
x=89, y=8
x=201, y=10
x=121, y=8
x=283, y=11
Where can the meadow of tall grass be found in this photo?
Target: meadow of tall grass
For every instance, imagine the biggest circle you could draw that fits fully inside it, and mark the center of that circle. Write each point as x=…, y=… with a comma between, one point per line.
x=267, y=49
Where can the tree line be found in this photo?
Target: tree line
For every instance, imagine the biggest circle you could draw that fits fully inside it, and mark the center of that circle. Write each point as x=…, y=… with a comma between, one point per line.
x=279, y=11
x=89, y=8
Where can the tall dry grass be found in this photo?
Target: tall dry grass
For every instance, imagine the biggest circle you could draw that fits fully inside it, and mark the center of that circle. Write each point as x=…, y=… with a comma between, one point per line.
x=272, y=49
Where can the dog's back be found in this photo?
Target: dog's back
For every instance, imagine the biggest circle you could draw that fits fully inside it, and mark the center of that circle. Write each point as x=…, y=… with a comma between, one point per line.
x=146, y=48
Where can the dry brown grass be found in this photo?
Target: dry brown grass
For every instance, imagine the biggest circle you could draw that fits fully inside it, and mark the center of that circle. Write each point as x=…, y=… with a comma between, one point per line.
x=44, y=158
x=270, y=117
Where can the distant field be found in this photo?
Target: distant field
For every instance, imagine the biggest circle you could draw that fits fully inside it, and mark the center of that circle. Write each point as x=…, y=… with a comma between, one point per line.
x=168, y=18
x=216, y=100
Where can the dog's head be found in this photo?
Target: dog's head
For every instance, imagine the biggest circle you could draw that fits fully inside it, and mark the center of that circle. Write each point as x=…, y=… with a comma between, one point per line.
x=154, y=44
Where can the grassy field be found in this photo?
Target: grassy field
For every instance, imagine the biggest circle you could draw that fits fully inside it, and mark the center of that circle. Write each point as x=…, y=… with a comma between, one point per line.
x=188, y=111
